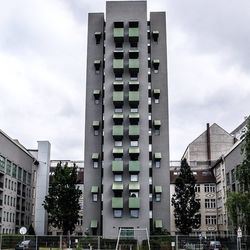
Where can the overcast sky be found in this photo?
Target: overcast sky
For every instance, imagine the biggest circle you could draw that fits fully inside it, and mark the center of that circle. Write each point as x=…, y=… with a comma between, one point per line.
x=43, y=60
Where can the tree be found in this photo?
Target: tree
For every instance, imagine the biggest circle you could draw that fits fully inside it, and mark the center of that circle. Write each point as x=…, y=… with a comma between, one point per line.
x=62, y=201
x=31, y=230
x=238, y=203
x=186, y=208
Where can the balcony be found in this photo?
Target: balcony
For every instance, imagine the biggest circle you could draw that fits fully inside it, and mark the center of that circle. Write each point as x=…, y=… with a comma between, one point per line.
x=133, y=66
x=134, y=167
x=118, y=67
x=117, y=202
x=134, y=99
x=134, y=132
x=134, y=152
x=118, y=118
x=134, y=118
x=134, y=203
x=117, y=166
x=118, y=98
x=117, y=132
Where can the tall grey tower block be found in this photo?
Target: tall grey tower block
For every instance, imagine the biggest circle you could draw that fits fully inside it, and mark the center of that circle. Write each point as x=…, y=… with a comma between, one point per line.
x=126, y=176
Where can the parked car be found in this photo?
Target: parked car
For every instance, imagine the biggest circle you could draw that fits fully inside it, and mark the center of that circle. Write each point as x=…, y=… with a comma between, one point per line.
x=215, y=245
x=26, y=245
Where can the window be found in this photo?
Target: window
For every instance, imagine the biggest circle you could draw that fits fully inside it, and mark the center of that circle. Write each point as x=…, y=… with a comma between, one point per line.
x=134, y=194
x=134, y=213
x=209, y=188
x=210, y=203
x=95, y=164
x=158, y=197
x=118, y=110
x=117, y=177
x=157, y=164
x=134, y=143
x=117, y=213
x=233, y=175
x=118, y=143
x=94, y=197
x=211, y=220
x=197, y=188
x=134, y=177
x=134, y=110
x=228, y=179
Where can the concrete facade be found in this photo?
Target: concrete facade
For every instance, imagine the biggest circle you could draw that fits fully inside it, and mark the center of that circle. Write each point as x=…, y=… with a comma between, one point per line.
x=149, y=145
x=41, y=178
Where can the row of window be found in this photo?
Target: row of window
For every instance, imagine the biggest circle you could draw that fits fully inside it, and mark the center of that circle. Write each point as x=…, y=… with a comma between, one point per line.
x=13, y=170
x=8, y=231
x=9, y=217
x=9, y=201
x=208, y=188
x=118, y=213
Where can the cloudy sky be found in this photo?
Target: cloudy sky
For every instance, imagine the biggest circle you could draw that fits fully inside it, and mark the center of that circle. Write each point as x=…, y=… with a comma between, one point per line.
x=43, y=60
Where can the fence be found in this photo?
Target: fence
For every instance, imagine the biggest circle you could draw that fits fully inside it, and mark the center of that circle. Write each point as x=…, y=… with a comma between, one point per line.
x=157, y=242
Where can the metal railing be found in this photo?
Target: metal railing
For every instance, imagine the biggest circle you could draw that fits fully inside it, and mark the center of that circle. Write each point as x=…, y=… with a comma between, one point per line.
x=157, y=242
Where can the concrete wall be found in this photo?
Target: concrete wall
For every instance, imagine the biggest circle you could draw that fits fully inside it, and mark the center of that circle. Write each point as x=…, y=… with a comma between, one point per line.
x=125, y=11
x=41, y=187
x=220, y=142
x=160, y=143
x=93, y=144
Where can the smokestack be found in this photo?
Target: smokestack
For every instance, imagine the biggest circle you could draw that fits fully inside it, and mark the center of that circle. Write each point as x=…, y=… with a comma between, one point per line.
x=208, y=145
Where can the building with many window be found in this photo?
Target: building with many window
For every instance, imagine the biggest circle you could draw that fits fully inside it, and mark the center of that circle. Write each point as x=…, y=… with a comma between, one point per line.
x=126, y=178
x=20, y=191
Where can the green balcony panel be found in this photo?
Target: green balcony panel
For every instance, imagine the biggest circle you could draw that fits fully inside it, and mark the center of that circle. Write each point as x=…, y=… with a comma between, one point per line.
x=118, y=152
x=133, y=98
x=157, y=124
x=118, y=35
x=157, y=156
x=117, y=202
x=117, y=166
x=134, y=152
x=133, y=66
x=95, y=156
x=156, y=93
x=133, y=34
x=117, y=186
x=118, y=98
x=118, y=85
x=155, y=35
x=134, y=203
x=134, y=166
x=158, y=189
x=118, y=132
x=134, y=186
x=118, y=67
x=133, y=85
x=96, y=124
x=118, y=118
x=93, y=224
x=134, y=132
x=94, y=189
x=133, y=53
x=156, y=63
x=118, y=54
x=158, y=223
x=134, y=118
